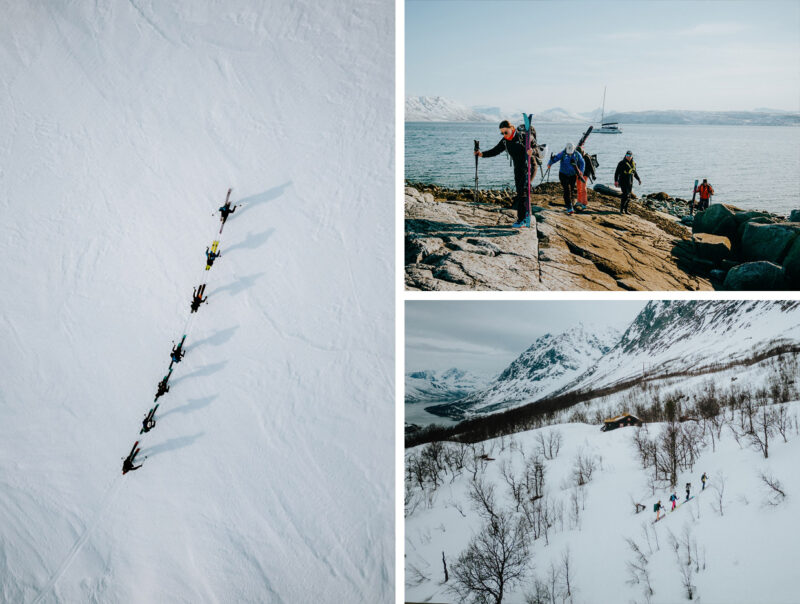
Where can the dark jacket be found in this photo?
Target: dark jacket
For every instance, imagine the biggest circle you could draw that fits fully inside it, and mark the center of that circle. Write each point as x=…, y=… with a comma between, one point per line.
x=516, y=150
x=625, y=172
x=588, y=171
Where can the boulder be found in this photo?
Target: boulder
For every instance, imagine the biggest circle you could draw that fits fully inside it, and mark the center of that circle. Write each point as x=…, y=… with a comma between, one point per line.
x=737, y=241
x=718, y=275
x=742, y=217
x=711, y=247
x=418, y=248
x=791, y=266
x=716, y=220
x=660, y=196
x=754, y=276
x=794, y=216
x=770, y=242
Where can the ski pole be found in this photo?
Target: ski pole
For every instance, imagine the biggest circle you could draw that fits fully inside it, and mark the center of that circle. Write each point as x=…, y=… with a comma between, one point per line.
x=477, y=148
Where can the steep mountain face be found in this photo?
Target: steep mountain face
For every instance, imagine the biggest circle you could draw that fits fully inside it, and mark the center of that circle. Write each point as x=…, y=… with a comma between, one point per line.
x=671, y=336
x=551, y=363
x=433, y=386
x=439, y=109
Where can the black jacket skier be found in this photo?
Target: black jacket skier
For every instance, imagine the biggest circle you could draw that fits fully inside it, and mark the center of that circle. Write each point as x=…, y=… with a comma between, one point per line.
x=127, y=465
x=197, y=297
x=588, y=169
x=163, y=386
x=148, y=423
x=177, y=354
x=623, y=178
x=226, y=211
x=513, y=142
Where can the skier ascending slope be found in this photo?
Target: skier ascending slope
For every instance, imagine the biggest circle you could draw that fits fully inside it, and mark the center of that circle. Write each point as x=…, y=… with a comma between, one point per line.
x=657, y=509
x=513, y=142
x=127, y=465
x=197, y=297
x=149, y=422
x=674, y=499
x=226, y=210
x=177, y=354
x=571, y=168
x=703, y=479
x=163, y=385
x=212, y=255
x=688, y=488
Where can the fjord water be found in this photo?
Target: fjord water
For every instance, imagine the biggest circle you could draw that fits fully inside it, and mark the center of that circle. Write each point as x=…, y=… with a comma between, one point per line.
x=753, y=167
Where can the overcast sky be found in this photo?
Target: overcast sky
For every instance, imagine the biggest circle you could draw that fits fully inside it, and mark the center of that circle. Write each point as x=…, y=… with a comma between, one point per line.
x=535, y=55
x=485, y=336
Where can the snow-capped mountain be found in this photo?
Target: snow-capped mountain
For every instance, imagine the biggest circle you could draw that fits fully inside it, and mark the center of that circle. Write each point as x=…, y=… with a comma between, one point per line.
x=726, y=118
x=671, y=336
x=440, y=109
x=548, y=365
x=432, y=386
x=557, y=115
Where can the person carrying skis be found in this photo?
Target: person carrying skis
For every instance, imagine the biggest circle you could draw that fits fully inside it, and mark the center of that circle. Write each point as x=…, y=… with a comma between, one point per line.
x=127, y=465
x=623, y=178
x=674, y=499
x=513, y=143
x=706, y=191
x=703, y=479
x=572, y=165
x=688, y=488
x=657, y=509
x=210, y=257
x=197, y=297
x=588, y=172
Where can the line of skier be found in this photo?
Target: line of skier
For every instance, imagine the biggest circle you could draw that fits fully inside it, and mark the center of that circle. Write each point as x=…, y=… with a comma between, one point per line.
x=178, y=352
x=673, y=498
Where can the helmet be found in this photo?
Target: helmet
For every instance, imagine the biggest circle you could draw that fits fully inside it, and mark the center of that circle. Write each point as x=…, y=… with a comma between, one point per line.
x=570, y=148
x=629, y=153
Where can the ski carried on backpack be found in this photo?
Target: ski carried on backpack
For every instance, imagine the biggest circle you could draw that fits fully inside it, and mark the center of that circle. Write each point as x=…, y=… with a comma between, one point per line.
x=584, y=137
x=694, y=195
x=527, y=120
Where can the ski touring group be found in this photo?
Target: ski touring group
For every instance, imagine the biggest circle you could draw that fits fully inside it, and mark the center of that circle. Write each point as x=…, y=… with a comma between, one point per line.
x=178, y=352
x=576, y=169
x=675, y=502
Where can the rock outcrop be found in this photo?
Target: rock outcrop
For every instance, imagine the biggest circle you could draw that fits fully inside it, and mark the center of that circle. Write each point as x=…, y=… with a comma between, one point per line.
x=453, y=243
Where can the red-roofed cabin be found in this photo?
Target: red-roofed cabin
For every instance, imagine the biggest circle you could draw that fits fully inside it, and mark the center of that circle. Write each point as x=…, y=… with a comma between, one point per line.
x=626, y=419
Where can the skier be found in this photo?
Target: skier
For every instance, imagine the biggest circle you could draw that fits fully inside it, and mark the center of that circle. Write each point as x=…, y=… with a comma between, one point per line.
x=623, y=178
x=224, y=212
x=197, y=297
x=513, y=143
x=211, y=255
x=657, y=509
x=149, y=422
x=688, y=488
x=177, y=353
x=674, y=499
x=163, y=386
x=706, y=191
x=588, y=172
x=703, y=479
x=572, y=165
x=127, y=465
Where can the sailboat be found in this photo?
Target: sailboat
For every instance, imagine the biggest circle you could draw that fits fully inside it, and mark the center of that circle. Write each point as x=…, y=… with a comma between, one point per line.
x=607, y=127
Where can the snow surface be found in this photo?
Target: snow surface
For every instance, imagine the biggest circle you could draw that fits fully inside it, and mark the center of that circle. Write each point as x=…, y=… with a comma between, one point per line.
x=268, y=477
x=748, y=553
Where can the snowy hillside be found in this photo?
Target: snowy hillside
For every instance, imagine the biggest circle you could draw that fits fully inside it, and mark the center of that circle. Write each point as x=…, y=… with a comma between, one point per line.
x=562, y=500
x=440, y=109
x=268, y=476
x=551, y=363
x=671, y=336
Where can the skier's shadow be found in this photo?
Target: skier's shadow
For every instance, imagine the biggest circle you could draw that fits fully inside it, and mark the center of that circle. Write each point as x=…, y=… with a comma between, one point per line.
x=173, y=444
x=202, y=371
x=262, y=198
x=194, y=404
x=216, y=339
x=238, y=286
x=252, y=241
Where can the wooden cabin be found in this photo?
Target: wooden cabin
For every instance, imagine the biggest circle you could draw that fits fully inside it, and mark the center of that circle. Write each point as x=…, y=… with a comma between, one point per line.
x=626, y=419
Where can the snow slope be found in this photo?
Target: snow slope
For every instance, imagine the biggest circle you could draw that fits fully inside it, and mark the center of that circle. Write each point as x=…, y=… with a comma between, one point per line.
x=747, y=553
x=680, y=335
x=268, y=477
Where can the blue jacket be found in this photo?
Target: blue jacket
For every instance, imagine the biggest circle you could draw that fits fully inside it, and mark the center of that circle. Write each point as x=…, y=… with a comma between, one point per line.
x=566, y=162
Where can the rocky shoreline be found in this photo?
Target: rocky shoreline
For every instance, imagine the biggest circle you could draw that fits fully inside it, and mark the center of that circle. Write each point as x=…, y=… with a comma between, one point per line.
x=455, y=243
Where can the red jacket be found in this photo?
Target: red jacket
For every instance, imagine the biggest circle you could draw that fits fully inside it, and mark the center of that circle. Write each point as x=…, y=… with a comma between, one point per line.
x=705, y=191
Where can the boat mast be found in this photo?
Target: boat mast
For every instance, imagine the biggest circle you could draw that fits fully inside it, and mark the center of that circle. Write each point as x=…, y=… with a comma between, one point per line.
x=603, y=112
